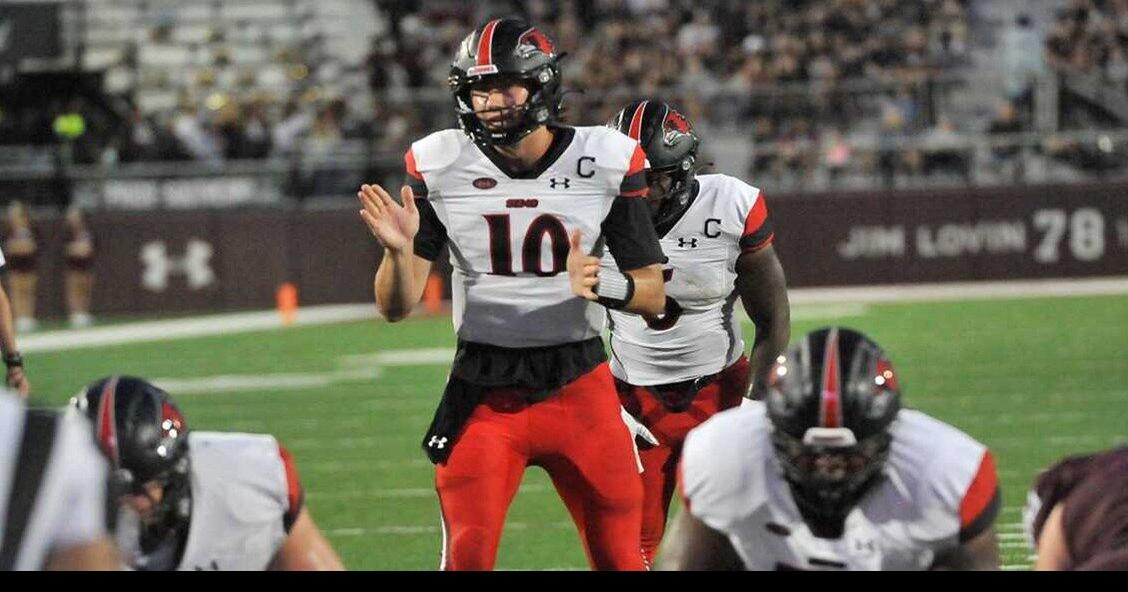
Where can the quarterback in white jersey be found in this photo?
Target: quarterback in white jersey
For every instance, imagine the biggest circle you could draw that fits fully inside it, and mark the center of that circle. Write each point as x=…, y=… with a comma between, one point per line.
x=526, y=207
x=676, y=370
x=199, y=500
x=830, y=473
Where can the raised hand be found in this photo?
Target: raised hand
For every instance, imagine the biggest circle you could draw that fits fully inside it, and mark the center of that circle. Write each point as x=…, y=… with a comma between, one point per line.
x=392, y=224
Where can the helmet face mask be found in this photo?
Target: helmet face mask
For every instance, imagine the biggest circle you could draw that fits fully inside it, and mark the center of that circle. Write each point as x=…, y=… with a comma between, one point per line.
x=500, y=119
x=826, y=481
x=832, y=398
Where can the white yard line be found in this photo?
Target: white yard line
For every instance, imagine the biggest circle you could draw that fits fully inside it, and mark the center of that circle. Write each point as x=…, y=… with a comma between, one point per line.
x=419, y=529
x=957, y=291
x=203, y=326
x=263, y=382
x=808, y=303
x=400, y=492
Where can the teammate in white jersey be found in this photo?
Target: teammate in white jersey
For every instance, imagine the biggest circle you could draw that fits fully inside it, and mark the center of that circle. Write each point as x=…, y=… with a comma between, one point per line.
x=829, y=472
x=526, y=207
x=53, y=492
x=16, y=378
x=199, y=500
x=675, y=371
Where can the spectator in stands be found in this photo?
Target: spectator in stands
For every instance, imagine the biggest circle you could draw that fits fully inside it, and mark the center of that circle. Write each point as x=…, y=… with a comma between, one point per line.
x=194, y=136
x=1005, y=153
x=1022, y=60
x=21, y=250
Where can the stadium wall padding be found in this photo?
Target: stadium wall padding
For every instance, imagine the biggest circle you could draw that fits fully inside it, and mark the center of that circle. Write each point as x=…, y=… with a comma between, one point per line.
x=170, y=262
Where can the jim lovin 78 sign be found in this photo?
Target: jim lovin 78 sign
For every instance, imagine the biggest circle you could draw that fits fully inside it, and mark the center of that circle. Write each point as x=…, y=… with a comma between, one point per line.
x=979, y=234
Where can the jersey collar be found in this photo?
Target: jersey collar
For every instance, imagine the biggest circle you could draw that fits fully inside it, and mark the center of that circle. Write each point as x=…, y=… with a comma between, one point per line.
x=560, y=142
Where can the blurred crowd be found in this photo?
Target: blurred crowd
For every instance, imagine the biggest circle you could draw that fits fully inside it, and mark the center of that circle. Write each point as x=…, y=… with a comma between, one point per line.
x=1091, y=35
x=833, y=85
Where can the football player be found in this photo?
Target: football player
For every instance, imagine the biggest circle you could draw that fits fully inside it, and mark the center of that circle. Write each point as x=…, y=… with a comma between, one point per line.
x=1076, y=516
x=199, y=500
x=676, y=370
x=829, y=472
x=526, y=206
x=53, y=492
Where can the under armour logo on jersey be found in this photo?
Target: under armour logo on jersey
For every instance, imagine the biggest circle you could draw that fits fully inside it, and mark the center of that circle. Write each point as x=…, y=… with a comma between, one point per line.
x=692, y=242
x=437, y=442
x=195, y=265
x=565, y=182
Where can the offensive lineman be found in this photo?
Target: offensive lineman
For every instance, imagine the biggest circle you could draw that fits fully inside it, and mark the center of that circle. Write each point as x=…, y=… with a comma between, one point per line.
x=830, y=473
x=202, y=500
x=526, y=207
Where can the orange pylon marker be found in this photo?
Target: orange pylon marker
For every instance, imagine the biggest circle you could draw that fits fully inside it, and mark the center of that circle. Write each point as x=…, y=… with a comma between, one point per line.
x=433, y=294
x=287, y=298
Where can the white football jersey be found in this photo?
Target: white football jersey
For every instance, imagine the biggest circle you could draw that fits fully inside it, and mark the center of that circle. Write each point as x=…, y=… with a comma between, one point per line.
x=700, y=332
x=243, y=487
x=52, y=484
x=508, y=235
x=939, y=484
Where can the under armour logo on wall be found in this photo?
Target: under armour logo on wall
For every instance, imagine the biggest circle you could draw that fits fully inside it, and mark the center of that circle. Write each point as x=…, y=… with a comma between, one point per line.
x=437, y=442
x=194, y=265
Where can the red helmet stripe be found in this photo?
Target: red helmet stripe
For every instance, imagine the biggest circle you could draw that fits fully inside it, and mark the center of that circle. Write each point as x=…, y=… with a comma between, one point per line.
x=636, y=122
x=107, y=426
x=830, y=411
x=485, y=43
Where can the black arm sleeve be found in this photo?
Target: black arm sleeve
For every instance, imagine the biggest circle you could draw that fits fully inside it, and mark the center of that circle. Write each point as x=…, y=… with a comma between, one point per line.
x=630, y=234
x=432, y=235
x=418, y=187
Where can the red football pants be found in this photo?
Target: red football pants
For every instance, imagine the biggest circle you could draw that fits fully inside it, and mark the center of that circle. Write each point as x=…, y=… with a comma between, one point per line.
x=660, y=462
x=578, y=436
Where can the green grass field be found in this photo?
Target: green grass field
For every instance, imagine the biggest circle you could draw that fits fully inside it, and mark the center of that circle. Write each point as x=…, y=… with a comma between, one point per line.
x=1033, y=379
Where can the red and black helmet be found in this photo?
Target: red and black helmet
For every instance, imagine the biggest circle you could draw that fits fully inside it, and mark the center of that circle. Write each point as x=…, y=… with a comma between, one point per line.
x=831, y=398
x=670, y=145
x=143, y=434
x=507, y=48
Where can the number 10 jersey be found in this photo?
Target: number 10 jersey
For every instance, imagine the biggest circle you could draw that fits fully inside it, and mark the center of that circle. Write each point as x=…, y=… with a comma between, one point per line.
x=508, y=231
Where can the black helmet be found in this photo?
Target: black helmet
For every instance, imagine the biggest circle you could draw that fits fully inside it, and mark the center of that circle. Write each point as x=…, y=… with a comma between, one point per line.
x=671, y=149
x=507, y=48
x=142, y=433
x=831, y=399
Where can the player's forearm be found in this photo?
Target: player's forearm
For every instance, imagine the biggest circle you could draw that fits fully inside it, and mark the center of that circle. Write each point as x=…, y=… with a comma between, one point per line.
x=763, y=292
x=306, y=549
x=395, y=285
x=773, y=330
x=649, y=291
x=7, y=331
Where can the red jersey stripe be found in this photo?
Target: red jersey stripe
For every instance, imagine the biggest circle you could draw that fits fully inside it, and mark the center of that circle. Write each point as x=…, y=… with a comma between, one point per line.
x=979, y=494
